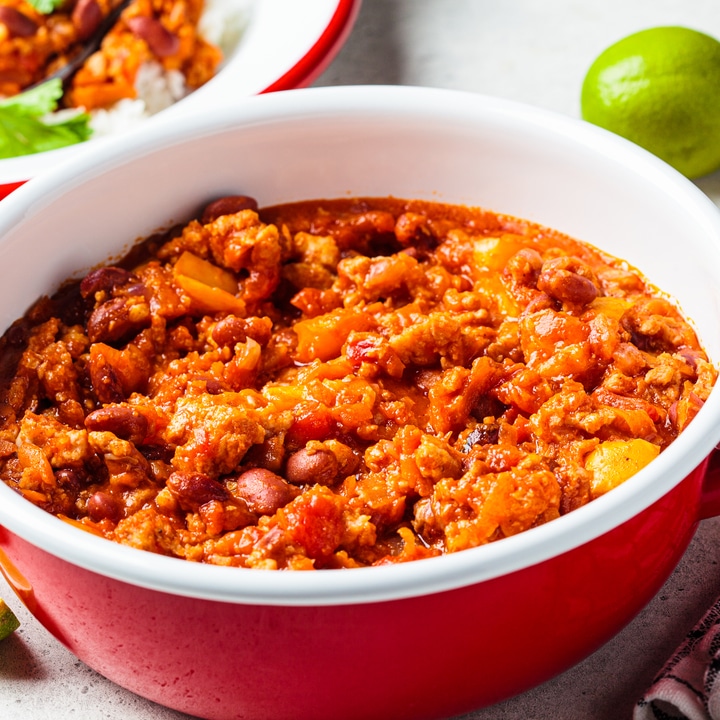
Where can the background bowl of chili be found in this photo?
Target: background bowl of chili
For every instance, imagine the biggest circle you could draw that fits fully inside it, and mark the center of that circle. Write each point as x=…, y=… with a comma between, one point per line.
x=283, y=45
x=425, y=639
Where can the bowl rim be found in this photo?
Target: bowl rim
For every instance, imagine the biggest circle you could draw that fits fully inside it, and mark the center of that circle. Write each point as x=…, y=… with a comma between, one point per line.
x=420, y=577
x=328, y=26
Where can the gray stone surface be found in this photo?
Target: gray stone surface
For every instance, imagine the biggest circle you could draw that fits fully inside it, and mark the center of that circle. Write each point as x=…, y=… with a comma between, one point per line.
x=528, y=50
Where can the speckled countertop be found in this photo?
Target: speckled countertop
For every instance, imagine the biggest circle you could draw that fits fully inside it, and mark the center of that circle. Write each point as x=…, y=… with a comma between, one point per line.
x=534, y=51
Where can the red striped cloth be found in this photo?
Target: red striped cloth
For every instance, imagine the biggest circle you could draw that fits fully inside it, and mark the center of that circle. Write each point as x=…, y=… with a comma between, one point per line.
x=688, y=686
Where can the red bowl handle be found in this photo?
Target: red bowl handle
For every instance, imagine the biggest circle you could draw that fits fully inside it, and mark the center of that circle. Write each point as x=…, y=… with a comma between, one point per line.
x=23, y=589
x=710, y=496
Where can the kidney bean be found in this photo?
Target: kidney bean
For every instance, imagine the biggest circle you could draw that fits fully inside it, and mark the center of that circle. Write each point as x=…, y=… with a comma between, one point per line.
x=691, y=357
x=229, y=331
x=105, y=381
x=568, y=280
x=135, y=290
x=213, y=386
x=17, y=23
x=269, y=454
x=104, y=279
x=228, y=205
x=259, y=329
x=103, y=506
x=372, y=231
x=263, y=491
x=414, y=233
x=195, y=489
x=117, y=319
x=159, y=39
x=312, y=465
x=17, y=334
x=524, y=267
x=481, y=435
x=162, y=453
x=71, y=478
x=125, y=422
x=86, y=17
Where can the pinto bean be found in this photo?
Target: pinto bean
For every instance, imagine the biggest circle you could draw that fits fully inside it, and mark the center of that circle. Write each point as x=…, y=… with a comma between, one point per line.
x=86, y=17
x=568, y=280
x=312, y=465
x=263, y=491
x=195, y=489
x=159, y=39
x=125, y=422
x=227, y=206
x=17, y=23
x=118, y=318
x=103, y=506
x=104, y=279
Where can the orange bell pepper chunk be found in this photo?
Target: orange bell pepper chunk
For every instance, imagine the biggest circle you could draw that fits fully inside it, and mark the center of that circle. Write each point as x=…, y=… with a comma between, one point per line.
x=211, y=288
x=322, y=337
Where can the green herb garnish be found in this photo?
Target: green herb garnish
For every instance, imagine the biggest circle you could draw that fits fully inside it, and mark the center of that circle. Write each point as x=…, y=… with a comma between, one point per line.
x=27, y=124
x=46, y=6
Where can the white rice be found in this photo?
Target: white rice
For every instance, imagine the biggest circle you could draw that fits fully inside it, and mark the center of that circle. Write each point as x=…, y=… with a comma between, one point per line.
x=222, y=24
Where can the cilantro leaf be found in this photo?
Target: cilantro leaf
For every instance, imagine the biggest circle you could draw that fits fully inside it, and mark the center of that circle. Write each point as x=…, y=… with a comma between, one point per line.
x=38, y=101
x=28, y=125
x=46, y=6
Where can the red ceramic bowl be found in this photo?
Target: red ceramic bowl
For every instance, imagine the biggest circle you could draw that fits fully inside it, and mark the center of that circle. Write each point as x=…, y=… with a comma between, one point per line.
x=427, y=639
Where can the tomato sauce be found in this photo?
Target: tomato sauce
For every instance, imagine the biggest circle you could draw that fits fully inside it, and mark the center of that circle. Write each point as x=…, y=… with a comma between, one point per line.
x=342, y=383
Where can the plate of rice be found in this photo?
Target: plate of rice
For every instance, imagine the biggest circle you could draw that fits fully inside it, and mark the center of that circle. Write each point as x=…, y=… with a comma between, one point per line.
x=160, y=59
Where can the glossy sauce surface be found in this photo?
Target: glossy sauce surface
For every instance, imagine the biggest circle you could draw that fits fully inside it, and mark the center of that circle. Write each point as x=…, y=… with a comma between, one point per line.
x=341, y=383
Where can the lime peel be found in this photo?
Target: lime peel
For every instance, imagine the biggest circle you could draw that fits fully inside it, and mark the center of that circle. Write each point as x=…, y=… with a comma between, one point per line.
x=8, y=621
x=659, y=89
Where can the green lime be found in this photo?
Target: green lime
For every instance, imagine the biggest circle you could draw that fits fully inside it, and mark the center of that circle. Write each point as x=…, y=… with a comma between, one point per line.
x=660, y=88
x=8, y=622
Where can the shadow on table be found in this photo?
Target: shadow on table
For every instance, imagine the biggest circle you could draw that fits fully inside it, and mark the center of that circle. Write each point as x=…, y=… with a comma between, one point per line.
x=18, y=661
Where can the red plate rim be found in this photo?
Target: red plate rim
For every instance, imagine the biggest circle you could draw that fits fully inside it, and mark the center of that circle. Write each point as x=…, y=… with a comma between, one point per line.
x=322, y=52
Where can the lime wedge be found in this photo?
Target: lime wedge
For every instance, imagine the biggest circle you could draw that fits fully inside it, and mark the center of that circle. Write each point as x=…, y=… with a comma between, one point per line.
x=8, y=622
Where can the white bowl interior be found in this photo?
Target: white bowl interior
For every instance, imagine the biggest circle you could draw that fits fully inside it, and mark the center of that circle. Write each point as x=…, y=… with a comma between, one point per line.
x=371, y=141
